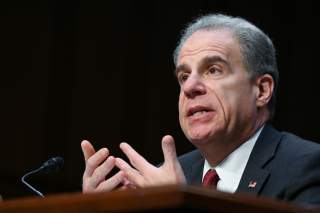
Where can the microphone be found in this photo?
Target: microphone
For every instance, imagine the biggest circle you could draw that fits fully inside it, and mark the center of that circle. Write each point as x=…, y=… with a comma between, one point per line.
x=52, y=165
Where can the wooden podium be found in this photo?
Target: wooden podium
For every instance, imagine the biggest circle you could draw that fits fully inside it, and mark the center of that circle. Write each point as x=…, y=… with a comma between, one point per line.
x=157, y=199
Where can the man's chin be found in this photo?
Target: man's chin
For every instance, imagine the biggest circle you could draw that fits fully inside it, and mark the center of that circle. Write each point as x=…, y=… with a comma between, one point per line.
x=199, y=138
x=203, y=136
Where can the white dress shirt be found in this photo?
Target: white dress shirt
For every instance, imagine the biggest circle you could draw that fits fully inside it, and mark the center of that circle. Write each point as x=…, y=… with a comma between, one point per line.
x=230, y=170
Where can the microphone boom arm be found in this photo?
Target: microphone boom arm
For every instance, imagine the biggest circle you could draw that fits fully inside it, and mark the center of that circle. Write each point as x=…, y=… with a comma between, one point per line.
x=51, y=165
x=28, y=185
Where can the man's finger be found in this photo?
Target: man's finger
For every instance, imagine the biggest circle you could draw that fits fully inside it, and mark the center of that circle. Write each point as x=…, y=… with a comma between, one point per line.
x=126, y=184
x=169, y=149
x=110, y=183
x=94, y=161
x=124, y=187
x=130, y=173
x=122, y=165
x=102, y=171
x=87, y=149
x=135, y=158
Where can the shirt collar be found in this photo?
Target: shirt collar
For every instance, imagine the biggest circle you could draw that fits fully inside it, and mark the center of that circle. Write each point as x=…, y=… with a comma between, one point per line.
x=230, y=170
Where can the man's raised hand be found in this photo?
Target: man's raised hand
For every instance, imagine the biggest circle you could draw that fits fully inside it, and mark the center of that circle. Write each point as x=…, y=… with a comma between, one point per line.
x=98, y=166
x=144, y=174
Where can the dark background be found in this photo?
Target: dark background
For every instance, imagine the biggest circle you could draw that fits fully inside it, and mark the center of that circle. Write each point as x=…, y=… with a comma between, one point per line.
x=103, y=71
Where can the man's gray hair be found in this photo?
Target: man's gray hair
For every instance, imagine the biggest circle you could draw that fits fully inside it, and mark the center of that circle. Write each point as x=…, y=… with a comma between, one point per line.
x=256, y=47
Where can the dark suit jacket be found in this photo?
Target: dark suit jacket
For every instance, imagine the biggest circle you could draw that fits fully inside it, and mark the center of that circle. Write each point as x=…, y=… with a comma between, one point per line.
x=283, y=166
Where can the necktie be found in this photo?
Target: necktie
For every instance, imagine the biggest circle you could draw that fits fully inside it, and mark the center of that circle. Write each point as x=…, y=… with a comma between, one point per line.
x=211, y=178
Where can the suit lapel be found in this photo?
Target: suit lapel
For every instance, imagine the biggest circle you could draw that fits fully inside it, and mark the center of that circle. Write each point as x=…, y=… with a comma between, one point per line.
x=253, y=179
x=196, y=172
x=193, y=171
x=255, y=176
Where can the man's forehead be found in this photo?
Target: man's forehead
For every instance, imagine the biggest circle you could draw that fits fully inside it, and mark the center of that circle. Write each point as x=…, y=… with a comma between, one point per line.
x=221, y=41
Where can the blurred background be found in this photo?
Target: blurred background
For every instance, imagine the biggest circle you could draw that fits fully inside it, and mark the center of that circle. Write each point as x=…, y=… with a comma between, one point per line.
x=103, y=71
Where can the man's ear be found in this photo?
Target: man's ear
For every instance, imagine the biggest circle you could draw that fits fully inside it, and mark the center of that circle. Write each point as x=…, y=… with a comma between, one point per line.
x=265, y=87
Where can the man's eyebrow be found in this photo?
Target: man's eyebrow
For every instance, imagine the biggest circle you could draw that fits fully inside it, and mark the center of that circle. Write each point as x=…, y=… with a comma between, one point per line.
x=211, y=60
x=180, y=68
x=202, y=64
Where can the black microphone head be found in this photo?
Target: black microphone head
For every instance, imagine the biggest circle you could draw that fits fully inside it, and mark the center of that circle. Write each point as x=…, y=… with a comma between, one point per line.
x=52, y=165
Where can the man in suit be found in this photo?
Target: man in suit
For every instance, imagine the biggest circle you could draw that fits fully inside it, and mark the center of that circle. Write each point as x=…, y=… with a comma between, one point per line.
x=227, y=71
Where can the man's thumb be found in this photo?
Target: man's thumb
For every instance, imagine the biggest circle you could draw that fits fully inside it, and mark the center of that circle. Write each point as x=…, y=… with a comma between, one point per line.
x=169, y=149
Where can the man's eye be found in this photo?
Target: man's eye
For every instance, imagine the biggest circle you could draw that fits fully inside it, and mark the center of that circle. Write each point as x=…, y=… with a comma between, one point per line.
x=214, y=70
x=183, y=77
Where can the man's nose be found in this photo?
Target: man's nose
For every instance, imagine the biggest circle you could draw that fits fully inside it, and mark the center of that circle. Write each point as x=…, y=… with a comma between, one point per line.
x=193, y=87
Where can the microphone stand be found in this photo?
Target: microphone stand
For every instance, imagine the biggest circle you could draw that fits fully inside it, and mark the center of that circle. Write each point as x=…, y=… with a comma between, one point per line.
x=51, y=165
x=28, y=185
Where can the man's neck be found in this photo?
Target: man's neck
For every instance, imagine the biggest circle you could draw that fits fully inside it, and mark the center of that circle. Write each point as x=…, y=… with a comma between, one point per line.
x=218, y=150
